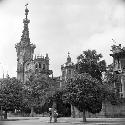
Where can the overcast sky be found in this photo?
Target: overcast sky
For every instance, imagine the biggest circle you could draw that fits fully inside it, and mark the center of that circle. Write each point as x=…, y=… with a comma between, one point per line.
x=59, y=26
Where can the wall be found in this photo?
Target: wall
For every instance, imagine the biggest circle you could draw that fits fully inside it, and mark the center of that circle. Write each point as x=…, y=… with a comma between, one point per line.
x=108, y=110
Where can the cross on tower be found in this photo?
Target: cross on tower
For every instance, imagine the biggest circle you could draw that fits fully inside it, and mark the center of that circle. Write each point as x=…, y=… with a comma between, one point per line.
x=68, y=53
x=26, y=11
x=114, y=41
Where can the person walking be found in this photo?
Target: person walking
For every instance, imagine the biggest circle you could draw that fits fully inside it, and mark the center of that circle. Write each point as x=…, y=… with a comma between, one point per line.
x=50, y=114
x=55, y=114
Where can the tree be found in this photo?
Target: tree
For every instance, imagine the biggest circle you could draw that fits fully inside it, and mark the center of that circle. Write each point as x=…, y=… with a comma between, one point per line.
x=84, y=93
x=35, y=92
x=52, y=90
x=11, y=94
x=54, y=98
x=56, y=101
x=90, y=62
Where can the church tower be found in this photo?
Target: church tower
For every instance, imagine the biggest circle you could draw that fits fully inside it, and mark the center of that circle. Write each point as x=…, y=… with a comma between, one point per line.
x=68, y=70
x=24, y=48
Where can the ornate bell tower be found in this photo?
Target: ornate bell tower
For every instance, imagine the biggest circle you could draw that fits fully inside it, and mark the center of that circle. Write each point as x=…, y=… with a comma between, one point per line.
x=24, y=48
x=68, y=69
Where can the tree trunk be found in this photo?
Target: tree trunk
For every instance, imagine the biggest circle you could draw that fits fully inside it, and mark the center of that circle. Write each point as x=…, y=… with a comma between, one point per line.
x=43, y=114
x=5, y=115
x=54, y=106
x=84, y=117
x=72, y=111
x=104, y=108
x=32, y=112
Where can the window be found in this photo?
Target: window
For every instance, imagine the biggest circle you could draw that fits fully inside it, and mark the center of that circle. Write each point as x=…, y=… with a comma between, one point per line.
x=69, y=72
x=39, y=65
x=63, y=73
x=121, y=95
x=122, y=64
x=44, y=66
x=36, y=66
x=120, y=88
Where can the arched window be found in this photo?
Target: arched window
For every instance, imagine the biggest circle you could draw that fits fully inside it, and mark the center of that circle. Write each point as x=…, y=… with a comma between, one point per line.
x=39, y=65
x=36, y=66
x=63, y=73
x=69, y=72
x=44, y=66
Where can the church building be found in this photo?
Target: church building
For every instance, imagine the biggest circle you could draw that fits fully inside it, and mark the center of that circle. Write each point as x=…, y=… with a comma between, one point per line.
x=118, y=54
x=27, y=63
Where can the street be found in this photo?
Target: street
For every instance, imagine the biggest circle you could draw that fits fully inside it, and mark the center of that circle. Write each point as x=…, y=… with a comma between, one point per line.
x=63, y=121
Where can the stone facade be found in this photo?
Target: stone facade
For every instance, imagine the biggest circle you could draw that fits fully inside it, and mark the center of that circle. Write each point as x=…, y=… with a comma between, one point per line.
x=26, y=62
x=118, y=55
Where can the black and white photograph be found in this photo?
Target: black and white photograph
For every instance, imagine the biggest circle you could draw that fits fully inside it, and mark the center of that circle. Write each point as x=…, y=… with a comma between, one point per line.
x=62, y=62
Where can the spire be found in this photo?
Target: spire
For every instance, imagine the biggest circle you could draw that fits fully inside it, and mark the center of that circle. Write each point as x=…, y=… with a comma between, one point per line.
x=26, y=11
x=47, y=57
x=68, y=58
x=25, y=34
x=7, y=75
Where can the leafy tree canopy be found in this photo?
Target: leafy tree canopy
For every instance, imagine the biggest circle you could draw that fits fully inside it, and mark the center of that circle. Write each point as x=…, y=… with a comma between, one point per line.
x=35, y=90
x=11, y=93
x=90, y=62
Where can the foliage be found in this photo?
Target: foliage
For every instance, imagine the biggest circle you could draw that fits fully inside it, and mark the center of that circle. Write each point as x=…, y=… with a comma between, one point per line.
x=84, y=93
x=111, y=92
x=109, y=76
x=53, y=88
x=35, y=91
x=53, y=91
x=11, y=94
x=90, y=62
x=62, y=107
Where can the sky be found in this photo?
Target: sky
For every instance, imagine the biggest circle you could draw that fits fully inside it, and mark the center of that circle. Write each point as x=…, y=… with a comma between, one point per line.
x=61, y=26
